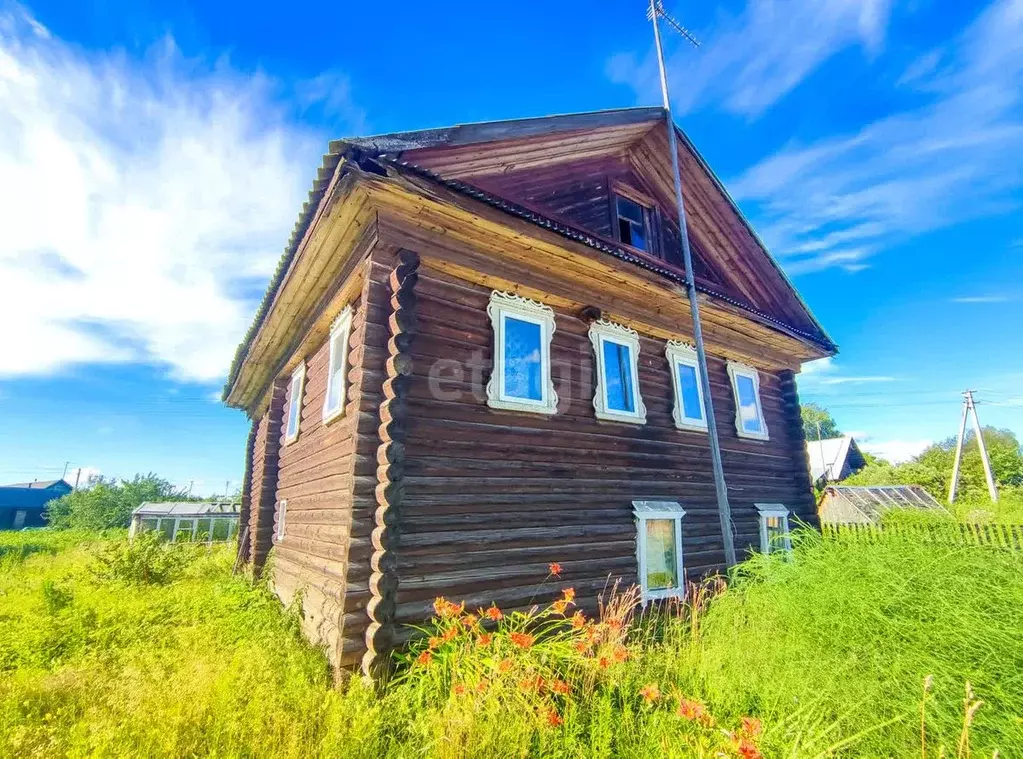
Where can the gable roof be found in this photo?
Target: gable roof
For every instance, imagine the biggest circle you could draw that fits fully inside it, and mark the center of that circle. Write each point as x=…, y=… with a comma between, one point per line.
x=872, y=501
x=828, y=457
x=28, y=496
x=187, y=509
x=380, y=154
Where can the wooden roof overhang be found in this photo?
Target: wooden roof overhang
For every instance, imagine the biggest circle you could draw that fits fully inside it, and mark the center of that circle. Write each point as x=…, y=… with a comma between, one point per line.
x=343, y=226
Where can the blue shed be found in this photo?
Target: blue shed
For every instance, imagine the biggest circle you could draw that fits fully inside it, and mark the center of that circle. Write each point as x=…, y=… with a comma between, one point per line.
x=23, y=504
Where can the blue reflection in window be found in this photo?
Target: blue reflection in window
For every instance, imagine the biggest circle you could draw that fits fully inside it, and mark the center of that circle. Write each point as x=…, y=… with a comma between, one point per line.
x=748, y=411
x=689, y=391
x=523, y=376
x=618, y=376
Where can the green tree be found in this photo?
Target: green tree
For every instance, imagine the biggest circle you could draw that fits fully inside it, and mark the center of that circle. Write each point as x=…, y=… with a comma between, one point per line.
x=105, y=503
x=818, y=424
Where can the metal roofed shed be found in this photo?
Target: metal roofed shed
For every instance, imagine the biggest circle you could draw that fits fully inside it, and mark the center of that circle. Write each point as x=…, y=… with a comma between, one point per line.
x=846, y=504
x=187, y=521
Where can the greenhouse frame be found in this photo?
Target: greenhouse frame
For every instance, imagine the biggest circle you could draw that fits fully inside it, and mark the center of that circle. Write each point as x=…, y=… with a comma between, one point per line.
x=188, y=521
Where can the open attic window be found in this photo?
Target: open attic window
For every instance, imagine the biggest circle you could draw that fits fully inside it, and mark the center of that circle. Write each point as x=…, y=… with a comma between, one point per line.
x=634, y=218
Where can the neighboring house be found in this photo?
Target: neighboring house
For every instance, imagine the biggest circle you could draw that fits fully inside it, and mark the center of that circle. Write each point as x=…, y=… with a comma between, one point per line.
x=845, y=504
x=475, y=359
x=24, y=504
x=187, y=521
x=833, y=459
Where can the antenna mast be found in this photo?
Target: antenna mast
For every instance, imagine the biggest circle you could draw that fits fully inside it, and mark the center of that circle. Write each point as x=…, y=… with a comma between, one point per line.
x=656, y=11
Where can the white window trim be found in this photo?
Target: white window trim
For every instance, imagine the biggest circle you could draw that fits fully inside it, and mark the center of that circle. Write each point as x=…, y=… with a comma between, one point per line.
x=297, y=387
x=501, y=306
x=342, y=326
x=603, y=331
x=766, y=511
x=647, y=510
x=281, y=528
x=677, y=353
x=736, y=370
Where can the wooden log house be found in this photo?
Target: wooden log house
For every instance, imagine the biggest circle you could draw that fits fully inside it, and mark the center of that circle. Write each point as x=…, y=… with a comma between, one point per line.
x=475, y=359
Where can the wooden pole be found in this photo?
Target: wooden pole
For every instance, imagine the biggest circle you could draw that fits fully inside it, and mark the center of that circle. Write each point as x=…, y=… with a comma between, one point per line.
x=959, y=454
x=724, y=511
x=992, y=491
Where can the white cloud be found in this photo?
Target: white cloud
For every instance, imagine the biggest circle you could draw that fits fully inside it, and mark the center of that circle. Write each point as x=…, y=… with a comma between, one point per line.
x=752, y=60
x=825, y=372
x=981, y=299
x=895, y=451
x=82, y=475
x=839, y=201
x=143, y=203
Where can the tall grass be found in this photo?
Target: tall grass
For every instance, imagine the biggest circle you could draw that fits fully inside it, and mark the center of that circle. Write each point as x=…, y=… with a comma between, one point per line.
x=822, y=654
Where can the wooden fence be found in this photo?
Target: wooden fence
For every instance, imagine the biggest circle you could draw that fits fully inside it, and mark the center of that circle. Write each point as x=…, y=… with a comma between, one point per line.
x=1004, y=536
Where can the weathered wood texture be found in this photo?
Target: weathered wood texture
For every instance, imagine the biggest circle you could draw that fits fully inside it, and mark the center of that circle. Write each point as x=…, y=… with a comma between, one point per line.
x=490, y=497
x=263, y=478
x=582, y=194
x=390, y=488
x=327, y=477
x=244, y=545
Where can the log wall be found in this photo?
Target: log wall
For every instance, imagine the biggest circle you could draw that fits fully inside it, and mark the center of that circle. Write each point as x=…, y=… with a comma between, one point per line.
x=263, y=478
x=328, y=476
x=491, y=497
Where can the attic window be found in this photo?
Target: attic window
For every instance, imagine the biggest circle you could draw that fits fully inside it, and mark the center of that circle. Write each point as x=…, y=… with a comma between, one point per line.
x=633, y=222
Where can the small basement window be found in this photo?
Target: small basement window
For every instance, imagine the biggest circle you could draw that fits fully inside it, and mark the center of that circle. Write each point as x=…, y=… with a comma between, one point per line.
x=295, y=404
x=659, y=549
x=774, y=527
x=689, y=411
x=337, y=367
x=282, y=513
x=617, y=397
x=749, y=414
x=521, y=380
x=633, y=223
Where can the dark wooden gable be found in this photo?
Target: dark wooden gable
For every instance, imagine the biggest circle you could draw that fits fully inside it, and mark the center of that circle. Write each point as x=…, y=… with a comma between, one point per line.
x=571, y=176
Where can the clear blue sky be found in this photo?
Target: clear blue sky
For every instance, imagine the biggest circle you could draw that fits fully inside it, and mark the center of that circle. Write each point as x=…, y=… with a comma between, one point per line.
x=154, y=156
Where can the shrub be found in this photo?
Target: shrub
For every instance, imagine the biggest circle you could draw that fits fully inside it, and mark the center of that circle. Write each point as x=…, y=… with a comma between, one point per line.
x=107, y=504
x=146, y=560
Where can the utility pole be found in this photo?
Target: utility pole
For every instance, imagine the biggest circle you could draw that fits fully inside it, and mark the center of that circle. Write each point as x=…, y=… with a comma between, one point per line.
x=66, y=464
x=78, y=473
x=655, y=12
x=970, y=406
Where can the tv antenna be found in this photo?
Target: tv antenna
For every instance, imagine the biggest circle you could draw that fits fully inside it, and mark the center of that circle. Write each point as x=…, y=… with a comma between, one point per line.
x=654, y=13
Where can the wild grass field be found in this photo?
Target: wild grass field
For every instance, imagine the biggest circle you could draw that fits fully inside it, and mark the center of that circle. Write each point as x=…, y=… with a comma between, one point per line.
x=851, y=648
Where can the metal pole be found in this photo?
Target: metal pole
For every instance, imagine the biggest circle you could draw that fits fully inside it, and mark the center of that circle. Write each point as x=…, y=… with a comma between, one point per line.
x=992, y=491
x=724, y=512
x=959, y=454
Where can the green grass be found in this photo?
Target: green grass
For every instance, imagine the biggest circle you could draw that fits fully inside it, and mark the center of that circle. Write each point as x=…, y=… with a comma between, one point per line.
x=111, y=652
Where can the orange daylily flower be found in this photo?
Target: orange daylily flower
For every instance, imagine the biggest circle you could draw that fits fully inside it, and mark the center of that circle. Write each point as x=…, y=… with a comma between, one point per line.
x=569, y=594
x=559, y=606
x=436, y=642
x=578, y=620
x=621, y=653
x=469, y=620
x=484, y=639
x=459, y=689
x=505, y=665
x=482, y=685
x=650, y=693
x=445, y=608
x=603, y=663
x=555, y=568
x=561, y=687
x=522, y=640
x=493, y=613
x=451, y=633
x=694, y=711
x=554, y=719
x=424, y=658
x=582, y=646
x=751, y=727
x=746, y=749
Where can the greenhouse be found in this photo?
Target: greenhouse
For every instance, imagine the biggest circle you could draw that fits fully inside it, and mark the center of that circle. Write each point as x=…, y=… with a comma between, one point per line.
x=188, y=521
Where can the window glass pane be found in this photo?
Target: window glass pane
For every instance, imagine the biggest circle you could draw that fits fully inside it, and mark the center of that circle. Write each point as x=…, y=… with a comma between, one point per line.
x=523, y=376
x=184, y=533
x=661, y=561
x=629, y=210
x=336, y=380
x=639, y=236
x=234, y=528
x=294, y=404
x=689, y=392
x=618, y=376
x=748, y=412
x=167, y=528
x=149, y=524
x=202, y=530
x=220, y=529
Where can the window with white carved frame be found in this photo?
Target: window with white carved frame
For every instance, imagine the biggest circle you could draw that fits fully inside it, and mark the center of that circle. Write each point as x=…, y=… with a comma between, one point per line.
x=291, y=424
x=337, y=366
x=616, y=397
x=774, y=527
x=659, y=549
x=749, y=413
x=521, y=380
x=689, y=412
x=282, y=513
